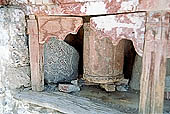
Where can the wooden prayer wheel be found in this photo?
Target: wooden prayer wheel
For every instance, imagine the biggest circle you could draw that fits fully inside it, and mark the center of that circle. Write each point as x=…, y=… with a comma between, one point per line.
x=103, y=62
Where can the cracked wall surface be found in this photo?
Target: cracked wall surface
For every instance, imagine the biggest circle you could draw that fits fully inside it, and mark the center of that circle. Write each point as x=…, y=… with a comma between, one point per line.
x=14, y=48
x=87, y=7
x=14, y=58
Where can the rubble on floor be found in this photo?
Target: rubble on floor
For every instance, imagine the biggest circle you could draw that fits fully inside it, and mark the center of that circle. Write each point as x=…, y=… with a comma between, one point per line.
x=121, y=85
x=108, y=87
x=68, y=88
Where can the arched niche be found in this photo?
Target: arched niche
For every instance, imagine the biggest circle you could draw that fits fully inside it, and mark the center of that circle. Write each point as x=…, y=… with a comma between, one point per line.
x=40, y=30
x=63, y=59
x=57, y=26
x=103, y=46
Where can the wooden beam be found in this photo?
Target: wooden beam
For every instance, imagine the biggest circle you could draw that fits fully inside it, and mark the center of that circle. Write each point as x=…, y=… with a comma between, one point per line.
x=154, y=64
x=36, y=56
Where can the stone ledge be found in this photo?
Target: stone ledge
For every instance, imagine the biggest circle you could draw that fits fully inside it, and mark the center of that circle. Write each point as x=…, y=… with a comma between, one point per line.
x=64, y=103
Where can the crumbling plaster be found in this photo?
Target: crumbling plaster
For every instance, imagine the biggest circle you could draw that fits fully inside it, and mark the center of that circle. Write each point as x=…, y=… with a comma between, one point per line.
x=14, y=59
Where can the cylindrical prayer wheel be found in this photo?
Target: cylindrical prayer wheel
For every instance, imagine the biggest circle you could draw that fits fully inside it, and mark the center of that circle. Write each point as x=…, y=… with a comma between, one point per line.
x=103, y=62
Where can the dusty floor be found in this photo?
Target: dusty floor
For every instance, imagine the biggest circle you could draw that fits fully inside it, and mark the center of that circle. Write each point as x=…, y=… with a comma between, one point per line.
x=125, y=102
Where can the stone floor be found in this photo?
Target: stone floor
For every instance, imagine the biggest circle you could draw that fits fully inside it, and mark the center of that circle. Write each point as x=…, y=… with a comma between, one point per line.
x=91, y=99
x=125, y=102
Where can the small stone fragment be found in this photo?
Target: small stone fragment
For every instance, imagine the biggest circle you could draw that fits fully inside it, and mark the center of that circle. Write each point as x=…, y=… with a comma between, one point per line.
x=2, y=91
x=68, y=88
x=51, y=87
x=122, y=88
x=167, y=95
x=75, y=82
x=108, y=87
x=122, y=85
x=123, y=82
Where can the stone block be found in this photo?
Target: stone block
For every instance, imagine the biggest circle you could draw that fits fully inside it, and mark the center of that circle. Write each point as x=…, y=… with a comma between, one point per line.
x=75, y=82
x=61, y=62
x=137, y=70
x=136, y=73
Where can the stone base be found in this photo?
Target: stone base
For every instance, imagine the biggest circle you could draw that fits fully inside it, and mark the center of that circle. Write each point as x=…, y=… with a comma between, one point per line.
x=108, y=87
x=103, y=79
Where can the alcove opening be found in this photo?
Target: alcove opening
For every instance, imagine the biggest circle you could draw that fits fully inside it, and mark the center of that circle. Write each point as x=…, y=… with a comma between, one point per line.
x=129, y=59
x=76, y=41
x=95, y=92
x=62, y=58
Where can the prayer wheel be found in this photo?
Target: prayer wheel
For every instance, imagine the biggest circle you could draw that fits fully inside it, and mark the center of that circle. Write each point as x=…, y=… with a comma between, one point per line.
x=103, y=62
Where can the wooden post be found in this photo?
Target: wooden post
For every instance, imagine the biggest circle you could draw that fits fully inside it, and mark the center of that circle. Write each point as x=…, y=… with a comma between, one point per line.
x=154, y=64
x=36, y=55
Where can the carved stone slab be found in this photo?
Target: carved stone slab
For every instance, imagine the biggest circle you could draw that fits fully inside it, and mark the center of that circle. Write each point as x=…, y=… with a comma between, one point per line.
x=61, y=61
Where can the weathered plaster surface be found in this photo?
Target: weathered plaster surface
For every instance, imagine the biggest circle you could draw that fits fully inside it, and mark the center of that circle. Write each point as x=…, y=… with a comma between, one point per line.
x=60, y=27
x=153, y=20
x=13, y=40
x=14, y=60
x=122, y=26
x=2, y=2
x=92, y=8
x=88, y=7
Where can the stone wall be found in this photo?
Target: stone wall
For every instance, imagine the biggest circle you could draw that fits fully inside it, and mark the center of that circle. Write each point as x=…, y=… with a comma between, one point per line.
x=137, y=70
x=14, y=59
